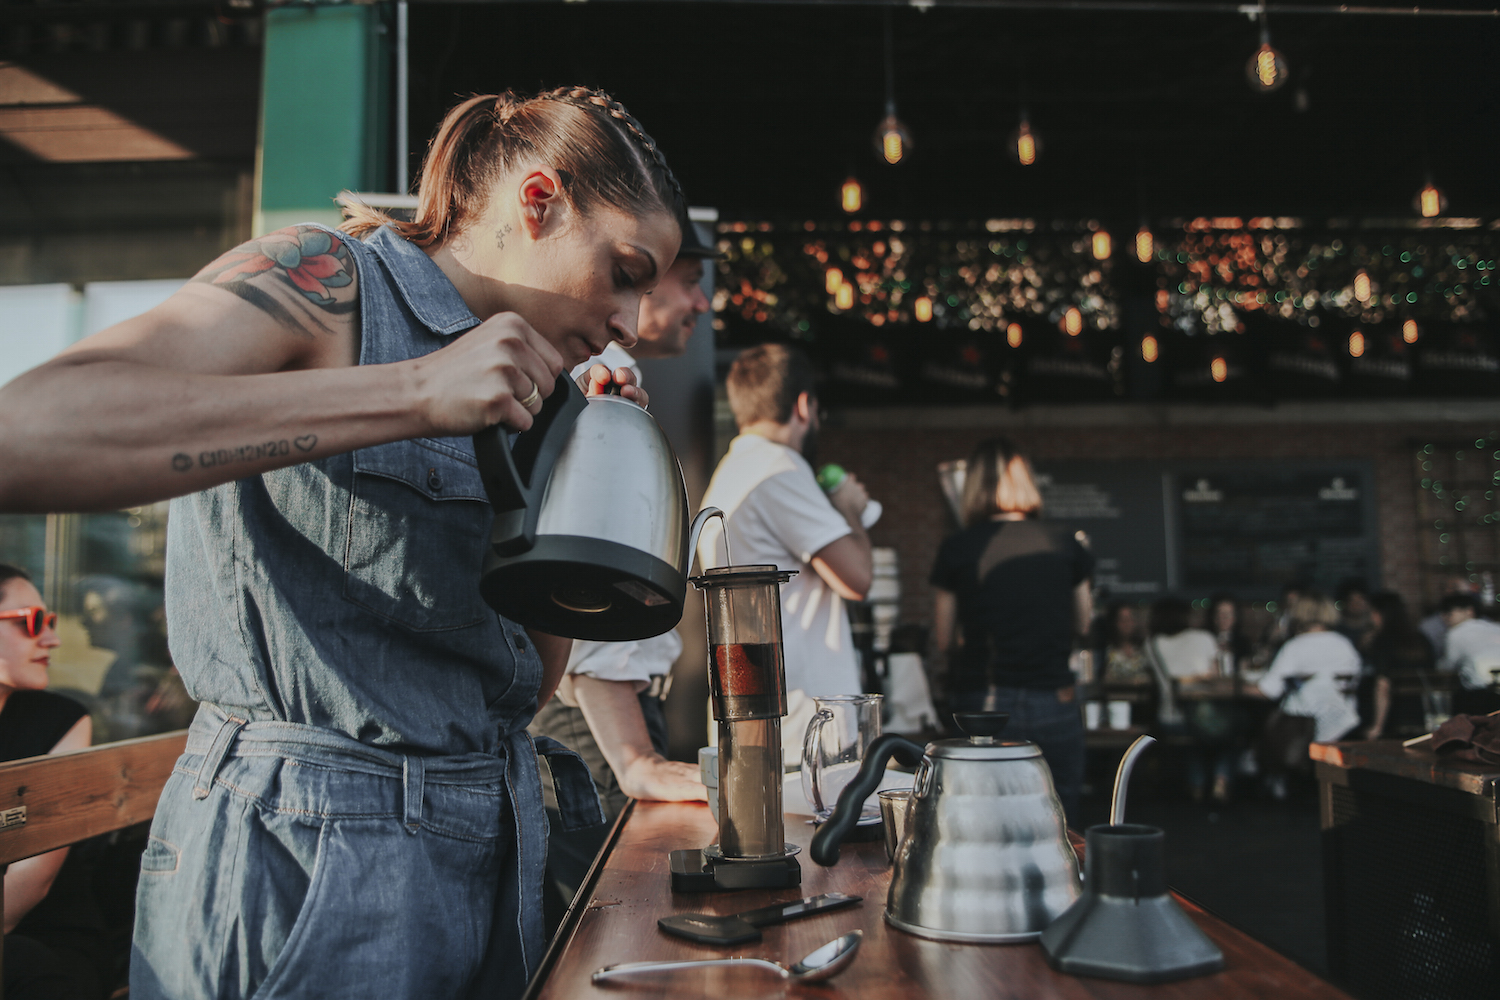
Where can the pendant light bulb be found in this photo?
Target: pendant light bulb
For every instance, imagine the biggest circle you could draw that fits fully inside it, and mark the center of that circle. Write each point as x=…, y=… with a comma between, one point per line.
x=1013, y=335
x=1150, y=349
x=1362, y=286
x=892, y=139
x=1430, y=201
x=1024, y=143
x=844, y=297
x=1072, y=323
x=923, y=309
x=1409, y=331
x=852, y=196
x=1356, y=344
x=1102, y=245
x=1145, y=245
x=1219, y=369
x=1266, y=70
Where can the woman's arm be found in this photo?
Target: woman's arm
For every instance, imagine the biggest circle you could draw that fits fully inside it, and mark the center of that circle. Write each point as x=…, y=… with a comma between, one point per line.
x=28, y=882
x=250, y=367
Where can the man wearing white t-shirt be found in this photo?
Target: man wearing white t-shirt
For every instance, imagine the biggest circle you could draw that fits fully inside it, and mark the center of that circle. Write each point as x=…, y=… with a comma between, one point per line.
x=1471, y=650
x=776, y=514
x=608, y=706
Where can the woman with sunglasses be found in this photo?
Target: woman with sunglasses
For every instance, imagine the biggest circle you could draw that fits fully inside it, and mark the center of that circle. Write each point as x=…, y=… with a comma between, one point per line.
x=358, y=809
x=34, y=721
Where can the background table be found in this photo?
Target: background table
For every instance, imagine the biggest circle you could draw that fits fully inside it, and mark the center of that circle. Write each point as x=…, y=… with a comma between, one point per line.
x=614, y=920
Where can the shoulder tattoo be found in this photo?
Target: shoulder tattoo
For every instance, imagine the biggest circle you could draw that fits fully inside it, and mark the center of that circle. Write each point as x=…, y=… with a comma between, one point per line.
x=305, y=270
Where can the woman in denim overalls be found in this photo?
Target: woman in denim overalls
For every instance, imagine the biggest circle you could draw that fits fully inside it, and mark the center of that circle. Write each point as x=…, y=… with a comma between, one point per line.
x=357, y=812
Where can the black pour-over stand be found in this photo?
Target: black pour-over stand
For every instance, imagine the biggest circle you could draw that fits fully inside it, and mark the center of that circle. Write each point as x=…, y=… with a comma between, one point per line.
x=747, y=681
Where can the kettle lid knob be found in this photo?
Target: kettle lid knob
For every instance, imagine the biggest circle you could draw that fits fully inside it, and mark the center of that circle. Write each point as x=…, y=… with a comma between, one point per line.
x=982, y=728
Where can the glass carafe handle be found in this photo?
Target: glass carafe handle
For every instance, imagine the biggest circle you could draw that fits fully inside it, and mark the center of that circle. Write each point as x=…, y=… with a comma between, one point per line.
x=812, y=761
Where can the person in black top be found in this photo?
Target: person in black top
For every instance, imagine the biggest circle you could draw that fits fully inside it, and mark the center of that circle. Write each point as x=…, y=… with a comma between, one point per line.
x=1395, y=646
x=34, y=721
x=1011, y=594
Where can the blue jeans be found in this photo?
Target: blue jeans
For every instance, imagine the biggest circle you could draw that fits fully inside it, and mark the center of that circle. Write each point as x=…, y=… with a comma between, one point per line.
x=1039, y=716
x=286, y=861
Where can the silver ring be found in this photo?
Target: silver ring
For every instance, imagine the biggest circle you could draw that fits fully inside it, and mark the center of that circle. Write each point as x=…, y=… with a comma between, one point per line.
x=536, y=394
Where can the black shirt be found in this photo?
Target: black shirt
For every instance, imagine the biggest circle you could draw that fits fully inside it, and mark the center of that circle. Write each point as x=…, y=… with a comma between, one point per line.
x=33, y=721
x=1014, y=581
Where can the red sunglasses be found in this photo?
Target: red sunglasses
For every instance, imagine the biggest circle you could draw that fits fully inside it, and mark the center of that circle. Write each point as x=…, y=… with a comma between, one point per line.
x=35, y=617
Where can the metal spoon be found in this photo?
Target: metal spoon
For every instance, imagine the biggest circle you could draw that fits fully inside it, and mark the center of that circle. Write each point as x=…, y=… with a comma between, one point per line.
x=825, y=963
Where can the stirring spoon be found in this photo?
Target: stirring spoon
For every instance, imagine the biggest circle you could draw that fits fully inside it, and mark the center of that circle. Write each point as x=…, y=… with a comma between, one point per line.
x=825, y=963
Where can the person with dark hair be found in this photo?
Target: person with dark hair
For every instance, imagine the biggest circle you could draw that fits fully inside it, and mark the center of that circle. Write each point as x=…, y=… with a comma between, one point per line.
x=776, y=514
x=1121, y=646
x=1010, y=595
x=34, y=721
x=1395, y=646
x=1471, y=651
x=1352, y=598
x=359, y=801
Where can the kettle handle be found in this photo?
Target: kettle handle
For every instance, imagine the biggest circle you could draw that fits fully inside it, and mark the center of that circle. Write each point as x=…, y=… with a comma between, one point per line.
x=516, y=477
x=825, y=843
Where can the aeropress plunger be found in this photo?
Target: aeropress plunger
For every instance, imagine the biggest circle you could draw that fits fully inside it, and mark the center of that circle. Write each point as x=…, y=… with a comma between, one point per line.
x=1126, y=925
x=747, y=681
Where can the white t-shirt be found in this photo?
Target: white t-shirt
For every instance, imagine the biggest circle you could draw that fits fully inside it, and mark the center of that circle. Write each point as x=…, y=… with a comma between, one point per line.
x=1332, y=665
x=1192, y=652
x=1473, y=650
x=778, y=515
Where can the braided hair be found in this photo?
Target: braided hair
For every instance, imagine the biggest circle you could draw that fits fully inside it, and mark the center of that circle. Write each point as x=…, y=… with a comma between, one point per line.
x=597, y=147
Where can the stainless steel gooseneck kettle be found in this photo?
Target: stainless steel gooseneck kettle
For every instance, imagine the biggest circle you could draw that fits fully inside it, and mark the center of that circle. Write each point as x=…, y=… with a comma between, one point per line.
x=590, y=538
x=984, y=854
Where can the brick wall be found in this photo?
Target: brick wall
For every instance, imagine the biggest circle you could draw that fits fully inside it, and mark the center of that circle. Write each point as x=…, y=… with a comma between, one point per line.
x=895, y=452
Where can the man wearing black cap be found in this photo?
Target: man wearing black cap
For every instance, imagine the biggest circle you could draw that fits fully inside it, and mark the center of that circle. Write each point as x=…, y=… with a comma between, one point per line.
x=609, y=706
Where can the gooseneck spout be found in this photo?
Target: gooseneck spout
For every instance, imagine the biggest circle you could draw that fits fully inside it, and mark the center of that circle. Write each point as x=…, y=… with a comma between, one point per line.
x=1122, y=778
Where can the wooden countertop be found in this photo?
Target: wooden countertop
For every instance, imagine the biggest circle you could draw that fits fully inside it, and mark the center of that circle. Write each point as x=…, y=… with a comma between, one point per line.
x=1417, y=763
x=615, y=921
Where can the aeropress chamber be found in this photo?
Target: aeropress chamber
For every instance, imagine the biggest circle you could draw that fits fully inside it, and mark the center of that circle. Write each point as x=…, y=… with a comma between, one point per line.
x=747, y=683
x=1126, y=925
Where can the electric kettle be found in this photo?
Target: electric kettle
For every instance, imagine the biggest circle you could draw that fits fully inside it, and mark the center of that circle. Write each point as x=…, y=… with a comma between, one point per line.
x=590, y=538
x=984, y=854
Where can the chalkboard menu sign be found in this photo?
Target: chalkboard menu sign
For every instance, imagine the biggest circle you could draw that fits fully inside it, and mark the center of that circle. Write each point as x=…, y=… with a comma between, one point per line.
x=1254, y=527
x=1121, y=507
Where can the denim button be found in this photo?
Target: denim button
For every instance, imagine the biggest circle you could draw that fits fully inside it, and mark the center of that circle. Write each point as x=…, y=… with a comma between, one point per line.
x=520, y=641
x=434, y=481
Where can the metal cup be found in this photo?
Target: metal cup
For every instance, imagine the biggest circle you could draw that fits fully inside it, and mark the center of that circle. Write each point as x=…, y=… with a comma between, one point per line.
x=894, y=805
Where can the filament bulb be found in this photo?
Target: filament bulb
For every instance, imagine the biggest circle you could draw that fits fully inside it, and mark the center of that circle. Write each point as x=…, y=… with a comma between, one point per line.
x=1150, y=349
x=1145, y=245
x=1219, y=369
x=833, y=280
x=923, y=309
x=891, y=137
x=1409, y=331
x=1267, y=69
x=1073, y=321
x=852, y=196
x=1362, y=286
x=1356, y=344
x=1013, y=335
x=1102, y=245
x=1430, y=201
x=844, y=297
x=1025, y=144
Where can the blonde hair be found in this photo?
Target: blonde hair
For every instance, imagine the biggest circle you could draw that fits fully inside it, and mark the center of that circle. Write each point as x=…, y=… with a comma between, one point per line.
x=1313, y=609
x=998, y=480
x=597, y=147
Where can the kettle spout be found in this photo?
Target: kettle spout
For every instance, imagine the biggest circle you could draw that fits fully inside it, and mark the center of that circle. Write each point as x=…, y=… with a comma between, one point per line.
x=696, y=531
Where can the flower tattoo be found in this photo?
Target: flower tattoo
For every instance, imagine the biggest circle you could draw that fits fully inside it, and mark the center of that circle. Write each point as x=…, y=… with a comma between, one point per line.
x=313, y=262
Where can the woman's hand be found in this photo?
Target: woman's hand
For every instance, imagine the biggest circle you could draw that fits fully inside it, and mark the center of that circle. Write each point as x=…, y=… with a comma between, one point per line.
x=485, y=376
x=597, y=380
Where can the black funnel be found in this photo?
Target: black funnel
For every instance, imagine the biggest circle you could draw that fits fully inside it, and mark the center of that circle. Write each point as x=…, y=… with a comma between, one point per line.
x=1126, y=925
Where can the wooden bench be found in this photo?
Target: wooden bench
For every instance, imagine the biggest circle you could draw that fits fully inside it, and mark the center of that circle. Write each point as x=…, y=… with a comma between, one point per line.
x=61, y=799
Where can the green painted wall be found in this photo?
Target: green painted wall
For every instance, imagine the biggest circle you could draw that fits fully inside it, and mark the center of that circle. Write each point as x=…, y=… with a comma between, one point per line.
x=325, y=112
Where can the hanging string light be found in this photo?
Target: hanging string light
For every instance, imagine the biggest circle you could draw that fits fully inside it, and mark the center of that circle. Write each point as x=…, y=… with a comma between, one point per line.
x=1072, y=321
x=1145, y=245
x=852, y=196
x=1266, y=70
x=1409, y=331
x=833, y=280
x=1150, y=349
x=1024, y=143
x=844, y=297
x=1430, y=201
x=1362, y=286
x=923, y=309
x=1219, y=369
x=892, y=139
x=1013, y=335
x=1102, y=245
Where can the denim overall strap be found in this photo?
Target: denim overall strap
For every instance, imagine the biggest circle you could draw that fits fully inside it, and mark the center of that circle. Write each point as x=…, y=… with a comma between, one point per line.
x=577, y=798
x=413, y=770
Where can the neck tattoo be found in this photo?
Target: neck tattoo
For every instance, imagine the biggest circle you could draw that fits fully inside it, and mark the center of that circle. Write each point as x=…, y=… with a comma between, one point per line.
x=500, y=235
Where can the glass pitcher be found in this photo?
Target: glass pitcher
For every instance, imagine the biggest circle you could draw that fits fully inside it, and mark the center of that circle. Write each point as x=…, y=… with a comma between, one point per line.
x=841, y=728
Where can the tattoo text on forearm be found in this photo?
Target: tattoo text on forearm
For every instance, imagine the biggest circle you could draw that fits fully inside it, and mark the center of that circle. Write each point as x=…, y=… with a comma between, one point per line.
x=183, y=462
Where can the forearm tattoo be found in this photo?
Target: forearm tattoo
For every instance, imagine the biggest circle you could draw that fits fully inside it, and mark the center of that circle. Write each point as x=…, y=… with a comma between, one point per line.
x=183, y=462
x=305, y=268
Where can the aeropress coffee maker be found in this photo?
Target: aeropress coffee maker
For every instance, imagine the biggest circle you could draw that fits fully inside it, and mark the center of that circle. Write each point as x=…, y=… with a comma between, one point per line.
x=747, y=681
